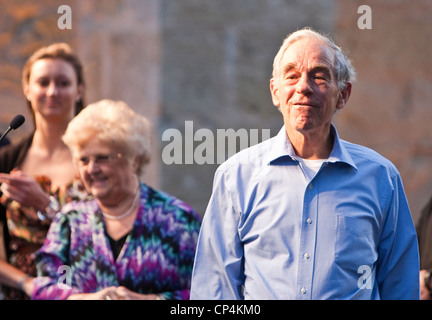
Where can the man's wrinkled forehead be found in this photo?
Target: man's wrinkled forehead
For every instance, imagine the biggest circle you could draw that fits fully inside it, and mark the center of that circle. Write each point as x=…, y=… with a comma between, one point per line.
x=307, y=54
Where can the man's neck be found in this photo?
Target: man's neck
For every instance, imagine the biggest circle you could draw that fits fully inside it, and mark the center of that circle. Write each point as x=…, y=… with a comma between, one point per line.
x=311, y=144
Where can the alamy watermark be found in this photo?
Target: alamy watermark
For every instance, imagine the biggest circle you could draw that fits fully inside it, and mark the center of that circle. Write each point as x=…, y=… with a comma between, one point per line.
x=365, y=20
x=205, y=146
x=65, y=20
x=65, y=275
x=365, y=280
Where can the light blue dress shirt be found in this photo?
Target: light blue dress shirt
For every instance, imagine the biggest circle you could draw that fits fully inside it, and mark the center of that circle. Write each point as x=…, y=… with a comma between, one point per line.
x=269, y=232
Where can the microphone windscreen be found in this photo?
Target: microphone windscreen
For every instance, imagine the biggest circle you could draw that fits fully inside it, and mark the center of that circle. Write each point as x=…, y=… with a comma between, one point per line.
x=17, y=121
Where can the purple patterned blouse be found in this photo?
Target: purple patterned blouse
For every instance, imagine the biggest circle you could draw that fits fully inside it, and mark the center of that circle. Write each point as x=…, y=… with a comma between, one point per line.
x=157, y=256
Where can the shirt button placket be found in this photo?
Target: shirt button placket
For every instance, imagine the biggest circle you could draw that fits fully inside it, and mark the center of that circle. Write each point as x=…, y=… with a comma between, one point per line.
x=307, y=243
x=306, y=256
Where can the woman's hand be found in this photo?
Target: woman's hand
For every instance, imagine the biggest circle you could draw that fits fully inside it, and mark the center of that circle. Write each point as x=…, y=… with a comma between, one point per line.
x=124, y=293
x=24, y=189
x=104, y=294
x=27, y=285
x=113, y=293
x=425, y=294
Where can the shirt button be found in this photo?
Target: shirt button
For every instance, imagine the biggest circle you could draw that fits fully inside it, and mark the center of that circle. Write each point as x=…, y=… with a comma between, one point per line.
x=309, y=220
x=310, y=187
x=306, y=256
x=303, y=290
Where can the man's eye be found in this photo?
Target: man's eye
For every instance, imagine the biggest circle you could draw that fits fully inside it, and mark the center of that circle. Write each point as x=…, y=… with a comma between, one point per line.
x=291, y=78
x=320, y=78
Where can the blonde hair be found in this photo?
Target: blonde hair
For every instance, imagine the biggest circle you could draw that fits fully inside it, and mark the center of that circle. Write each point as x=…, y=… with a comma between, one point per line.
x=60, y=51
x=115, y=124
x=343, y=68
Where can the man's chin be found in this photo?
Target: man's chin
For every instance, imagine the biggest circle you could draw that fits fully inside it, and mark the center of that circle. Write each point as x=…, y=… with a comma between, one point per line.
x=304, y=126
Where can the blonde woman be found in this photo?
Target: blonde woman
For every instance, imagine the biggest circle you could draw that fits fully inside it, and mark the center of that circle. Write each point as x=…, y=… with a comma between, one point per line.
x=37, y=174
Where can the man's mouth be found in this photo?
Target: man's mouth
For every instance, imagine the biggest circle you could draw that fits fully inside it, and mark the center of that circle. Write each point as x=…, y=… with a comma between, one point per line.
x=305, y=104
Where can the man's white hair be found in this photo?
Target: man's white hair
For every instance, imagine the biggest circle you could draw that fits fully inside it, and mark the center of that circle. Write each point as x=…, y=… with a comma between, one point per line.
x=343, y=68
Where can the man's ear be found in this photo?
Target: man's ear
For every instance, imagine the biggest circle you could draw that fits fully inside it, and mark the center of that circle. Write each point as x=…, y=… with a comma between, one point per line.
x=274, y=89
x=344, y=95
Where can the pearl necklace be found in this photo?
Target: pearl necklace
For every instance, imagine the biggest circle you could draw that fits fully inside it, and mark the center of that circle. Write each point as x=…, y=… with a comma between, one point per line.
x=127, y=213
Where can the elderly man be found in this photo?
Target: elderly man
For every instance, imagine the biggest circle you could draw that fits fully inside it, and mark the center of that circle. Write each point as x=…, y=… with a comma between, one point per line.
x=307, y=215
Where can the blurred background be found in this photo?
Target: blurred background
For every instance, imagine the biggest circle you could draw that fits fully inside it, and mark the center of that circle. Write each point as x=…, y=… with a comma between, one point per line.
x=210, y=61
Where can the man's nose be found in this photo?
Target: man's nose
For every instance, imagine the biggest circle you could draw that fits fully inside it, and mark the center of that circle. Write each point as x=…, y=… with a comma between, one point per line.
x=303, y=85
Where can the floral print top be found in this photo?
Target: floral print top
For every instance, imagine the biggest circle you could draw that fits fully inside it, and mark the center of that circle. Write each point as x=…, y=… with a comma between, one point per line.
x=27, y=232
x=157, y=256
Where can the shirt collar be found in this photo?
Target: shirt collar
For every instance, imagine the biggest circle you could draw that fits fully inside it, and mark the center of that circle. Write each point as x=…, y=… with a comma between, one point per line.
x=282, y=150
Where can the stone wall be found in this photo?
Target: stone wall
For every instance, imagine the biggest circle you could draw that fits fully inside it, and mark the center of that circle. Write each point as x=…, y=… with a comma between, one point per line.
x=117, y=41
x=390, y=107
x=24, y=27
x=209, y=62
x=217, y=62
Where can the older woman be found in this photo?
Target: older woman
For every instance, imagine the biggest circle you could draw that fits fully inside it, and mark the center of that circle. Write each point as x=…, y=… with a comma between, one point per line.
x=130, y=241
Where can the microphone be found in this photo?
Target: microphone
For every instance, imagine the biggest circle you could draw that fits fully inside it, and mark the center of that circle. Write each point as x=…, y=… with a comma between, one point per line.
x=16, y=122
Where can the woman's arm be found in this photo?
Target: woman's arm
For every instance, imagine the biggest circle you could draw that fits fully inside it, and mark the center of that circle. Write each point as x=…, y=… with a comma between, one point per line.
x=15, y=278
x=52, y=261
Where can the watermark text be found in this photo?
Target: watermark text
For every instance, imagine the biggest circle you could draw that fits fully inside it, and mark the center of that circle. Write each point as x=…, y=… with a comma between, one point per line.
x=65, y=20
x=203, y=146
